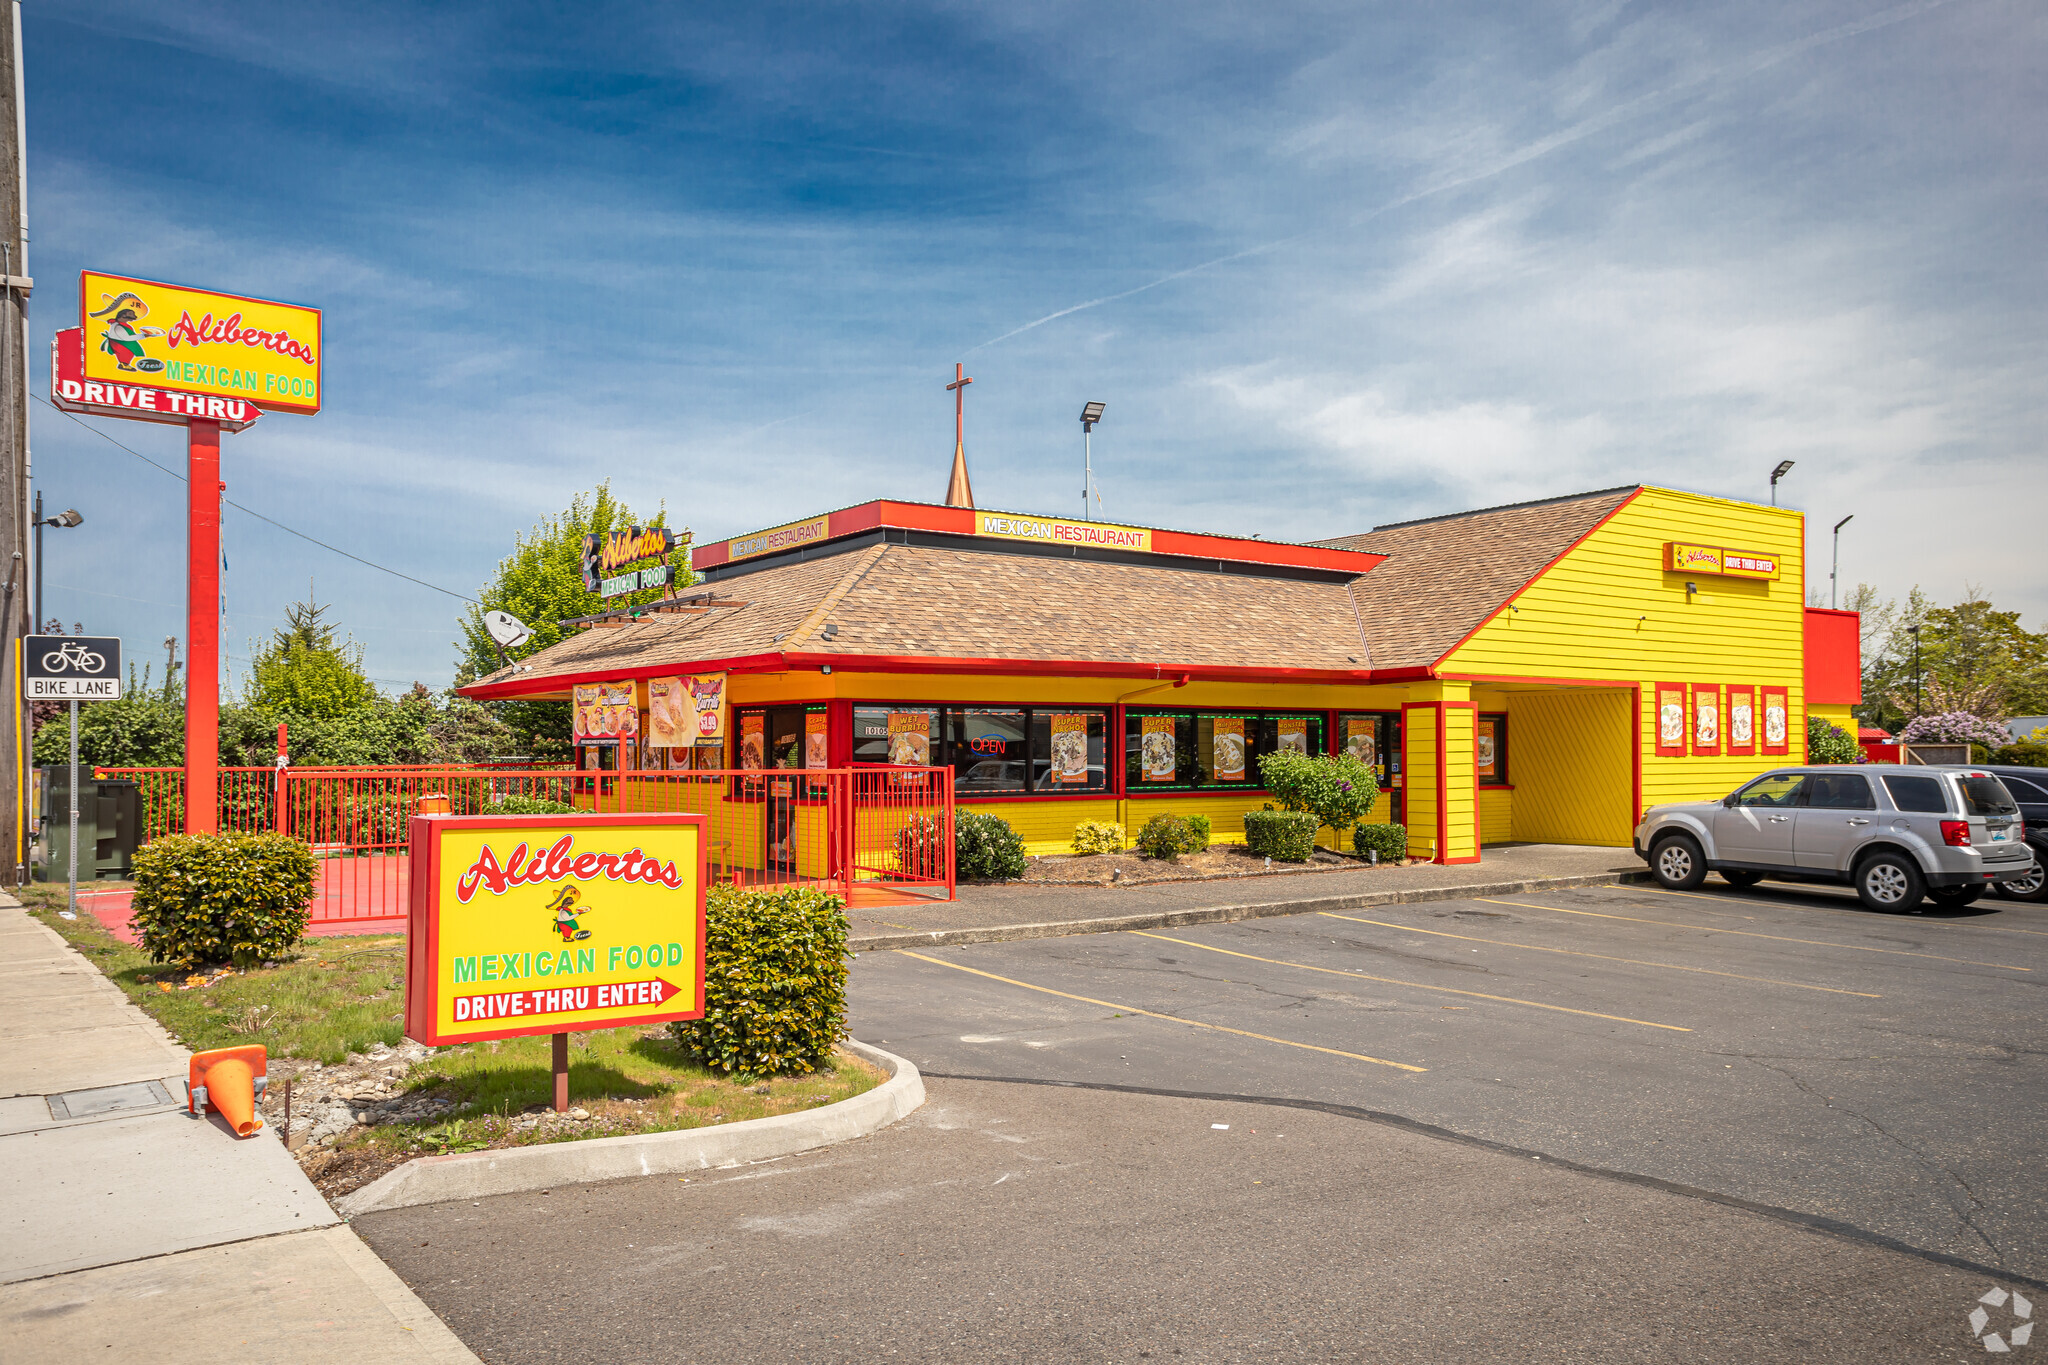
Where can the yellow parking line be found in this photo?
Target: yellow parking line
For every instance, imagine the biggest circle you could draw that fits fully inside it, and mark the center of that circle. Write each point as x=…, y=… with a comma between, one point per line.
x=1568, y=952
x=1751, y=933
x=1859, y=913
x=1169, y=1018
x=1414, y=985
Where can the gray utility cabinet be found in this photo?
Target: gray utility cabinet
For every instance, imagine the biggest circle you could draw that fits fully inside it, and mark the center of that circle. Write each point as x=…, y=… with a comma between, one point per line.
x=109, y=825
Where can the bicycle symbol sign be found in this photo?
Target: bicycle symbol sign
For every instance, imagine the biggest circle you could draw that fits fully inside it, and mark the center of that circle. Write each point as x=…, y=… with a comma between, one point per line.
x=71, y=668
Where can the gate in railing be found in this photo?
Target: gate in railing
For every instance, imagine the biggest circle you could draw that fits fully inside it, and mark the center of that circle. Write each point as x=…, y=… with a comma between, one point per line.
x=871, y=835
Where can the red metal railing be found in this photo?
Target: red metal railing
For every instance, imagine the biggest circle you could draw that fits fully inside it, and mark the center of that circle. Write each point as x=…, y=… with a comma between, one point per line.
x=868, y=834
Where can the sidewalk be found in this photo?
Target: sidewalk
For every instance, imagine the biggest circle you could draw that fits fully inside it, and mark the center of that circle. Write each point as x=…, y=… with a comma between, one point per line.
x=131, y=1226
x=1015, y=910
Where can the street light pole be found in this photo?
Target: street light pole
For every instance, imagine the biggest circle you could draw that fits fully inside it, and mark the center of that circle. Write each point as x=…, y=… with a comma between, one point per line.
x=1918, y=706
x=67, y=518
x=1835, y=569
x=1784, y=468
x=1091, y=413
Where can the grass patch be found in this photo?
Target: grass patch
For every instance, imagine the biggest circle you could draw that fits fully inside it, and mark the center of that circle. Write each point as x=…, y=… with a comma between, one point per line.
x=329, y=998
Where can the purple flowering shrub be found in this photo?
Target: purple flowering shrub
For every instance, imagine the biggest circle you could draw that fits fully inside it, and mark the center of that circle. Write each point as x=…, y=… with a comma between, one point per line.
x=1955, y=727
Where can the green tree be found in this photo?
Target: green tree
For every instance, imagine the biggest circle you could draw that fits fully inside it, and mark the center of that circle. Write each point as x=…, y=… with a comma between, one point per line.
x=1972, y=658
x=143, y=728
x=305, y=671
x=541, y=583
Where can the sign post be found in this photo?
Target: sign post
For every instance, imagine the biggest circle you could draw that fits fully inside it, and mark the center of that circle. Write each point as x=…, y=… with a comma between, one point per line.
x=71, y=667
x=549, y=924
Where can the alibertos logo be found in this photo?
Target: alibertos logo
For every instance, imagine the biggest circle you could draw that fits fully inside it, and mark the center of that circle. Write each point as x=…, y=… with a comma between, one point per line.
x=2012, y=1326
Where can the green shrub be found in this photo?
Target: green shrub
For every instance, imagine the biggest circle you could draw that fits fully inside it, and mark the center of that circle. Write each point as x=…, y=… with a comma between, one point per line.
x=1335, y=788
x=1169, y=836
x=1200, y=825
x=2025, y=754
x=236, y=898
x=986, y=848
x=1096, y=836
x=1289, y=835
x=920, y=844
x=1389, y=841
x=1827, y=743
x=528, y=805
x=774, y=983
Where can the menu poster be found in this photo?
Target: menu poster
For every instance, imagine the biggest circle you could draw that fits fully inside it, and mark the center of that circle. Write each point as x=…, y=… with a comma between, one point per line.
x=1671, y=720
x=707, y=701
x=1486, y=748
x=1741, y=721
x=814, y=739
x=1294, y=734
x=1706, y=719
x=1361, y=740
x=604, y=711
x=671, y=720
x=1777, y=709
x=753, y=741
x=1227, y=738
x=1069, y=748
x=1157, y=760
x=910, y=738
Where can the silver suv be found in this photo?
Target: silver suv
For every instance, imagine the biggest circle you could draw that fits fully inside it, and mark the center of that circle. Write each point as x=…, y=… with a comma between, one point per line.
x=1894, y=833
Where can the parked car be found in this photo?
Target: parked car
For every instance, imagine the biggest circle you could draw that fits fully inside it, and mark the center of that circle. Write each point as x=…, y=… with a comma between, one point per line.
x=2029, y=787
x=1895, y=833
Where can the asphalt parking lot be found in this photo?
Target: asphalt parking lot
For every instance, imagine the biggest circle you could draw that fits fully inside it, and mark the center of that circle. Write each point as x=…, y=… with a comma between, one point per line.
x=1782, y=1046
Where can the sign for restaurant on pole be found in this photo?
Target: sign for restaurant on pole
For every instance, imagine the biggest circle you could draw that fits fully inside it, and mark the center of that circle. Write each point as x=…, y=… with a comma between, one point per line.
x=608, y=560
x=71, y=667
x=71, y=391
x=553, y=923
x=199, y=341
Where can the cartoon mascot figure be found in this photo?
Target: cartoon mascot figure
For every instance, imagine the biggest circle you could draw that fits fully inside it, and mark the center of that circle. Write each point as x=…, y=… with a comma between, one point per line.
x=563, y=908
x=122, y=339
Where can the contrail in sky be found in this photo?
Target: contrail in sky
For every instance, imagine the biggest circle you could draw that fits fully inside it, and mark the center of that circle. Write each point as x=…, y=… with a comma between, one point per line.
x=1585, y=128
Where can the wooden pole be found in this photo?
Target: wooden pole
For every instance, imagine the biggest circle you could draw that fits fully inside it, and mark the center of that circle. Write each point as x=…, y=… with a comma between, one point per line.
x=561, y=1073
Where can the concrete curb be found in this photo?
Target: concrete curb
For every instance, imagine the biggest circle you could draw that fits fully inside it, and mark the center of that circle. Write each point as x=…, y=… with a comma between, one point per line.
x=1226, y=914
x=472, y=1175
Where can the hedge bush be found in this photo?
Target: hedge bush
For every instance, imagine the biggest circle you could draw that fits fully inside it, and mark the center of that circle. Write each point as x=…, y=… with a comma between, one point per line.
x=1169, y=836
x=1827, y=743
x=1289, y=835
x=1096, y=836
x=986, y=848
x=528, y=805
x=1200, y=825
x=2025, y=754
x=919, y=843
x=774, y=983
x=1389, y=841
x=1337, y=789
x=236, y=898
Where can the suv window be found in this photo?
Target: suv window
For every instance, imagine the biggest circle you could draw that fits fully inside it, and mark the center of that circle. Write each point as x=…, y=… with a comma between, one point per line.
x=1921, y=794
x=1839, y=791
x=2025, y=792
x=1984, y=794
x=1772, y=789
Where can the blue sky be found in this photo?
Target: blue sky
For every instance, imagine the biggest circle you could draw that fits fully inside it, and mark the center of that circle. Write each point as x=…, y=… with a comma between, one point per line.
x=1329, y=266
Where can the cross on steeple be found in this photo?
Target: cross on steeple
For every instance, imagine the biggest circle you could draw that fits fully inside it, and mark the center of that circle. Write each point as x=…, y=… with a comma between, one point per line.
x=959, y=493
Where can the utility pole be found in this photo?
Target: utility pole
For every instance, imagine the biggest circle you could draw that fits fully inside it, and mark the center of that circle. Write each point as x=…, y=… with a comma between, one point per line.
x=14, y=455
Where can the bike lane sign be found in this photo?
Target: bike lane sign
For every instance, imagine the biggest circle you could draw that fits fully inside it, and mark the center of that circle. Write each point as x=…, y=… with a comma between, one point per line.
x=71, y=668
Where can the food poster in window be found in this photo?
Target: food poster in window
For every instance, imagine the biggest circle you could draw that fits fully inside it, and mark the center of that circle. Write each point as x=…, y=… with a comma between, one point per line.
x=1069, y=749
x=1741, y=722
x=754, y=741
x=1777, y=709
x=604, y=711
x=1158, y=760
x=1227, y=739
x=1489, y=749
x=1670, y=708
x=1293, y=736
x=910, y=738
x=1362, y=742
x=814, y=740
x=707, y=701
x=1706, y=720
x=671, y=720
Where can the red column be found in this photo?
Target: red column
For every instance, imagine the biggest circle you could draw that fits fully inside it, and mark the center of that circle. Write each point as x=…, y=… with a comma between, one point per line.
x=202, y=629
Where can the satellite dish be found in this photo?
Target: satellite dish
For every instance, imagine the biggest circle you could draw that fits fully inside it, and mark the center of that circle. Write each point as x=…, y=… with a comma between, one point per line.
x=508, y=630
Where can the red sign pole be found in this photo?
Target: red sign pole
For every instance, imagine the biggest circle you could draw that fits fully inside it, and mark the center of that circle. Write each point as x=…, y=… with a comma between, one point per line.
x=202, y=629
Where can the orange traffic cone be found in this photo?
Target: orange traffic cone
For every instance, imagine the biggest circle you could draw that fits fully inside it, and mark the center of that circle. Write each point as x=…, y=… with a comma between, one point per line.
x=229, y=1079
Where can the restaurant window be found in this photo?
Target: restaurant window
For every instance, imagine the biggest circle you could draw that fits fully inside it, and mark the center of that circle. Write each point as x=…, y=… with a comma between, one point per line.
x=1490, y=749
x=992, y=750
x=989, y=748
x=1374, y=739
x=903, y=735
x=1067, y=751
x=1211, y=749
x=780, y=737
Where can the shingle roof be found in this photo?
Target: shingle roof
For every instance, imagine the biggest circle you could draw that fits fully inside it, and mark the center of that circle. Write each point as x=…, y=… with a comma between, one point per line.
x=1444, y=576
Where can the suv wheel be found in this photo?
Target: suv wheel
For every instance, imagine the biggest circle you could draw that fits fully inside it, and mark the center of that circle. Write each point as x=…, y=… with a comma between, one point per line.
x=1677, y=863
x=1890, y=882
x=2032, y=887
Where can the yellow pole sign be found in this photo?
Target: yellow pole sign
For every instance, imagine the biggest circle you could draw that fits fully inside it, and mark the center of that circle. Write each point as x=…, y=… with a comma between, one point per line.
x=553, y=923
x=198, y=341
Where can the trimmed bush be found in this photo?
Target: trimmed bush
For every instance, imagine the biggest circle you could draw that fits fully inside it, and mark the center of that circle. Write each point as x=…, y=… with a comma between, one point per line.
x=2025, y=754
x=528, y=805
x=1335, y=788
x=774, y=983
x=1200, y=825
x=1097, y=836
x=1289, y=835
x=986, y=848
x=236, y=898
x=1169, y=836
x=1389, y=841
x=1827, y=743
x=920, y=845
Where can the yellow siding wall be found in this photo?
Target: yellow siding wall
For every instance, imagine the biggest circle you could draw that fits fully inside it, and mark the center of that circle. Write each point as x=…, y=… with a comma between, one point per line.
x=1461, y=794
x=1837, y=716
x=1419, y=754
x=1609, y=611
x=1496, y=815
x=1568, y=755
x=1047, y=826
